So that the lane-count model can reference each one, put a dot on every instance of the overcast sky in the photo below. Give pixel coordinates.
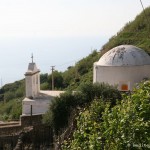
(57, 31)
(63, 18)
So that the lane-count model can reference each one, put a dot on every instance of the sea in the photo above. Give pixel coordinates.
(62, 52)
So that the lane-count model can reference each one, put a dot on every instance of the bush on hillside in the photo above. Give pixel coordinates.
(124, 126)
(44, 86)
(127, 125)
(8, 96)
(100, 90)
(62, 107)
(12, 90)
(11, 110)
(87, 135)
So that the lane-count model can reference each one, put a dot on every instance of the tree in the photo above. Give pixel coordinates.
(58, 80)
(127, 125)
(43, 78)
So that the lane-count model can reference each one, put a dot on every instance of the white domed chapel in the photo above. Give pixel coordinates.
(122, 66)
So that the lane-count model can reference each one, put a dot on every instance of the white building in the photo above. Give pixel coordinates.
(36, 101)
(123, 66)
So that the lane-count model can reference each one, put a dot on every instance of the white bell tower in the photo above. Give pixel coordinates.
(32, 80)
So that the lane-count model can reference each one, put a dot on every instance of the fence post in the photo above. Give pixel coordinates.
(31, 114)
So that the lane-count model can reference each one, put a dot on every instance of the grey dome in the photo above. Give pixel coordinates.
(124, 55)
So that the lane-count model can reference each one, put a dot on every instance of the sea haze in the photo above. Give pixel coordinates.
(60, 52)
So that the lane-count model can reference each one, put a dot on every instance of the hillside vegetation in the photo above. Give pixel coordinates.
(124, 126)
(64, 106)
(11, 96)
(74, 76)
(136, 33)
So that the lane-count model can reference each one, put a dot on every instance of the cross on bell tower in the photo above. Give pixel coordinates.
(32, 79)
(32, 57)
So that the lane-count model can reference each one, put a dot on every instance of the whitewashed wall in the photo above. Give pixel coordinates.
(32, 85)
(38, 106)
(114, 75)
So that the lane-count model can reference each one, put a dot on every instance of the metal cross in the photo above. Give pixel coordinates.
(32, 57)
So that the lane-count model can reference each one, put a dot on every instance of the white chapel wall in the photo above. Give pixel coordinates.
(114, 75)
(29, 87)
(38, 107)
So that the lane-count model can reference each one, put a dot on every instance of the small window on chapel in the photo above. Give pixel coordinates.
(124, 87)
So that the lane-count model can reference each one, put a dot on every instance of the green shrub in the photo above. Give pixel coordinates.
(9, 96)
(87, 135)
(11, 109)
(100, 90)
(62, 107)
(125, 126)
(19, 92)
(44, 86)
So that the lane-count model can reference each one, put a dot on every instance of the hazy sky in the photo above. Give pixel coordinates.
(63, 18)
(57, 31)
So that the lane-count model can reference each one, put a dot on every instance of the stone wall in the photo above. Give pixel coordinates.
(15, 128)
(10, 130)
(10, 123)
(30, 120)
(31, 137)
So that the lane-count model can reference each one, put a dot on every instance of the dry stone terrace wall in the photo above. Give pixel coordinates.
(32, 137)
(10, 130)
(17, 127)
(9, 123)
